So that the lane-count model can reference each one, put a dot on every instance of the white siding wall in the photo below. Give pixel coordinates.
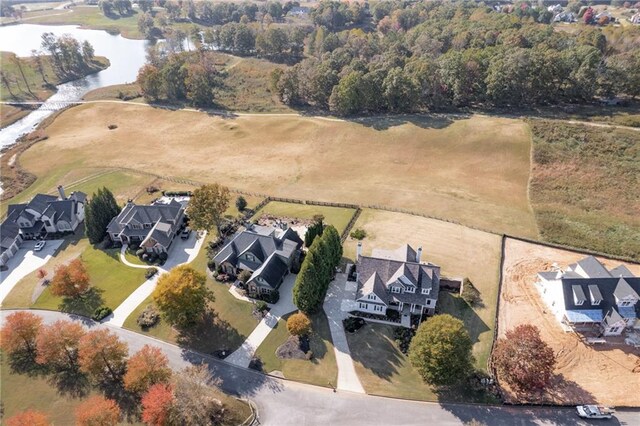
(553, 297)
(371, 308)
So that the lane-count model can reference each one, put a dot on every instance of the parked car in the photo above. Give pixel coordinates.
(594, 412)
(185, 233)
(39, 245)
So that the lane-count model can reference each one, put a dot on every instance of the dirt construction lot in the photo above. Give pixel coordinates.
(473, 170)
(607, 374)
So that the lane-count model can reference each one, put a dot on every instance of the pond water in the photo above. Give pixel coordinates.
(126, 57)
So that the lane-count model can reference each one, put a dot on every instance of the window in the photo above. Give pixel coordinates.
(371, 297)
(395, 289)
(250, 257)
(625, 303)
(579, 302)
(378, 308)
(363, 305)
(614, 329)
(147, 225)
(426, 291)
(428, 302)
(411, 289)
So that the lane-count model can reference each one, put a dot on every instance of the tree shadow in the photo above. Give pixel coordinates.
(374, 348)
(24, 362)
(459, 308)
(211, 335)
(424, 121)
(85, 304)
(70, 382)
(128, 402)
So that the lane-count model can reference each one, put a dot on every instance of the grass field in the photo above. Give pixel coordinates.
(336, 216)
(35, 88)
(322, 370)
(229, 327)
(584, 186)
(459, 251)
(384, 370)
(473, 170)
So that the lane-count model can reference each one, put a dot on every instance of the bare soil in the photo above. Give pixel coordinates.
(607, 374)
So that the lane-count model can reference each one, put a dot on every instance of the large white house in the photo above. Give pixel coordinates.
(587, 296)
(396, 280)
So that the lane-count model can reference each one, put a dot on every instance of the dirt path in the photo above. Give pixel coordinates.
(584, 373)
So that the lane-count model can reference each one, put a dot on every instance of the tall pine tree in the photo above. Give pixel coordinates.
(98, 213)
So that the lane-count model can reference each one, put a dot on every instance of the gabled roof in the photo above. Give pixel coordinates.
(403, 253)
(373, 285)
(621, 271)
(593, 268)
(145, 214)
(623, 289)
(40, 202)
(271, 271)
(606, 287)
(64, 209)
(612, 317)
(160, 233)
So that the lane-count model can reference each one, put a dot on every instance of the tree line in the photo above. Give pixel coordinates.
(317, 270)
(70, 57)
(141, 386)
(433, 55)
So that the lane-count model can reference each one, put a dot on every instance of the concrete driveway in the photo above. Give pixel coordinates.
(181, 251)
(24, 262)
(242, 356)
(336, 305)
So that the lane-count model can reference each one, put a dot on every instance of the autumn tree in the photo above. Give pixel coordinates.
(102, 355)
(523, 359)
(57, 343)
(157, 404)
(70, 280)
(207, 206)
(28, 418)
(42, 274)
(441, 350)
(145, 368)
(196, 398)
(181, 296)
(97, 411)
(19, 332)
(298, 324)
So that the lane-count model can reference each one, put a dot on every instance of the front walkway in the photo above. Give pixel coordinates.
(24, 262)
(242, 356)
(181, 252)
(337, 304)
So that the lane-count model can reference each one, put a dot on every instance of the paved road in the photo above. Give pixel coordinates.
(285, 403)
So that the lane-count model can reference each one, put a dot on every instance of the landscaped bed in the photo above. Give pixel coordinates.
(320, 370)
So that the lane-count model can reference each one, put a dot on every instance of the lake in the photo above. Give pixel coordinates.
(126, 57)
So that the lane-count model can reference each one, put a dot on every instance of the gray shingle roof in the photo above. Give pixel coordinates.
(144, 214)
(404, 253)
(606, 286)
(621, 271)
(612, 317)
(593, 268)
(623, 289)
(272, 270)
(40, 202)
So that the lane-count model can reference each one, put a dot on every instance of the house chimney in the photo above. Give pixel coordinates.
(359, 250)
(418, 254)
(61, 192)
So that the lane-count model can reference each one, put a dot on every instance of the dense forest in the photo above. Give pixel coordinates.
(397, 56)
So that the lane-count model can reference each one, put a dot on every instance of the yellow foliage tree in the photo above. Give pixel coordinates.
(299, 324)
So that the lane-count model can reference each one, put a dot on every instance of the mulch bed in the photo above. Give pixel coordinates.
(294, 348)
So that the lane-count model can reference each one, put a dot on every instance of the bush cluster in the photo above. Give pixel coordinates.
(101, 313)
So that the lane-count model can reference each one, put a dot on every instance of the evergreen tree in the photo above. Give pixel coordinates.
(98, 213)
(314, 230)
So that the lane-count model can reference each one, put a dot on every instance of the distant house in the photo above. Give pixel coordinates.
(555, 9)
(587, 296)
(396, 280)
(43, 215)
(298, 11)
(269, 253)
(567, 17)
(152, 226)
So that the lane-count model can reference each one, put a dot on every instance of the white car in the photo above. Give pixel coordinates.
(594, 412)
(39, 245)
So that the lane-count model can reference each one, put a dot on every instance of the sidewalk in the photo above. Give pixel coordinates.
(242, 356)
(341, 293)
(181, 252)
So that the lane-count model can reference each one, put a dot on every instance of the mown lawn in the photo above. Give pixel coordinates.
(228, 328)
(384, 370)
(112, 282)
(321, 370)
(336, 216)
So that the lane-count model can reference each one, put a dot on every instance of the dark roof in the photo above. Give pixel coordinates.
(9, 229)
(144, 214)
(78, 196)
(377, 274)
(606, 287)
(40, 202)
(161, 234)
(64, 209)
(262, 242)
(272, 271)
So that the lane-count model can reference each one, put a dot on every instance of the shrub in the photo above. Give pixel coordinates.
(358, 234)
(403, 338)
(163, 256)
(353, 324)
(211, 265)
(272, 297)
(149, 317)
(470, 294)
(150, 272)
(241, 203)
(112, 126)
(261, 306)
(101, 313)
(298, 324)
(134, 246)
(140, 252)
(244, 276)
(392, 314)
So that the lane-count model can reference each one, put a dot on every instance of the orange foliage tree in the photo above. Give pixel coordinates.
(523, 359)
(100, 352)
(57, 343)
(157, 404)
(19, 332)
(28, 418)
(97, 411)
(145, 368)
(298, 324)
(70, 280)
